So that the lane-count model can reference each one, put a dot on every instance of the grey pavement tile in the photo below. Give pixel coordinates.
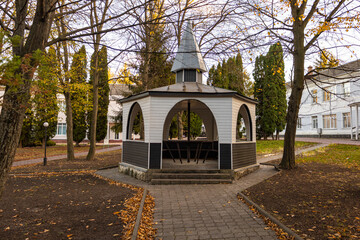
(204, 211)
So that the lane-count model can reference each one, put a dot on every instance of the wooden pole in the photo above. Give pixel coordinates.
(188, 120)
(188, 148)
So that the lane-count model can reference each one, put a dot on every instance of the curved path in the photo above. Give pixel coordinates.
(64, 156)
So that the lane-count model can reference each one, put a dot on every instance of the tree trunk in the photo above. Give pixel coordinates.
(11, 121)
(277, 135)
(92, 135)
(288, 159)
(69, 127)
(17, 93)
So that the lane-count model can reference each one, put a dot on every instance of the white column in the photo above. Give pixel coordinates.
(357, 122)
(351, 123)
(106, 140)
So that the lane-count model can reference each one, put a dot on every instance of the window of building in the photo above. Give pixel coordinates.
(61, 129)
(299, 123)
(314, 121)
(329, 121)
(346, 89)
(346, 120)
(117, 136)
(327, 94)
(314, 96)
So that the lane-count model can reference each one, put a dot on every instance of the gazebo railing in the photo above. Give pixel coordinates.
(190, 150)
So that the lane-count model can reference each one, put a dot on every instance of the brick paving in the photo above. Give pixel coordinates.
(206, 211)
(203, 211)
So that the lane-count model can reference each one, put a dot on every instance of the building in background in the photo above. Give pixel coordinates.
(325, 104)
(116, 92)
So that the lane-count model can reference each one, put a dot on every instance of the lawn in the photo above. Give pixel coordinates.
(264, 147)
(38, 152)
(320, 198)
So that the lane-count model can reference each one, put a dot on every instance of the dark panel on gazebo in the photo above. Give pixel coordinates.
(190, 75)
(136, 153)
(225, 156)
(155, 155)
(205, 149)
(244, 154)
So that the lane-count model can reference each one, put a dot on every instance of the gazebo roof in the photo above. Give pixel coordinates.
(188, 55)
(188, 89)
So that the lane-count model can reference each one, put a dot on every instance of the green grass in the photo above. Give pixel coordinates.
(276, 146)
(346, 155)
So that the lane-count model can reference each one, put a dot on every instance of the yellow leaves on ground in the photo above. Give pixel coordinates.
(129, 214)
(146, 229)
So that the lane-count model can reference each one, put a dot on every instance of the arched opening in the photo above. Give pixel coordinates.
(243, 125)
(135, 126)
(193, 145)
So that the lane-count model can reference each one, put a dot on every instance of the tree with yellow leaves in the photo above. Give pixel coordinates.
(326, 60)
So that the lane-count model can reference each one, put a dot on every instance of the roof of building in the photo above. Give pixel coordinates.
(352, 69)
(349, 69)
(188, 55)
(188, 89)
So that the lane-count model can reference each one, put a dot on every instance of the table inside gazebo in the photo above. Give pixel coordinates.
(193, 149)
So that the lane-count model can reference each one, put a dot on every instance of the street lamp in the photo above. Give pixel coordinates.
(46, 124)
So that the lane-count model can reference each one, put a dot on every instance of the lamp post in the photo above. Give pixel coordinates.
(46, 124)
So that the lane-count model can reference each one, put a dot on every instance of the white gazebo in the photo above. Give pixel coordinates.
(219, 109)
(354, 129)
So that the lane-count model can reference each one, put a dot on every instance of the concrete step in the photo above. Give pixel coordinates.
(187, 171)
(191, 175)
(188, 181)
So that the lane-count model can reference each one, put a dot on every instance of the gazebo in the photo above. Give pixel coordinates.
(221, 111)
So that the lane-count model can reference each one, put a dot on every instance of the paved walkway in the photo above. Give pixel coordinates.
(271, 157)
(58, 157)
(329, 140)
(205, 211)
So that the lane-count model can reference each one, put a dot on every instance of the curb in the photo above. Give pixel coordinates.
(138, 218)
(272, 218)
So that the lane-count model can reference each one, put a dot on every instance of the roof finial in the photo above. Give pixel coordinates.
(188, 55)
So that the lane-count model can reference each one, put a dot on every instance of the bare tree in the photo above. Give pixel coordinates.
(29, 26)
(98, 14)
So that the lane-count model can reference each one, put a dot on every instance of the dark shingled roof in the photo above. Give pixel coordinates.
(188, 55)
